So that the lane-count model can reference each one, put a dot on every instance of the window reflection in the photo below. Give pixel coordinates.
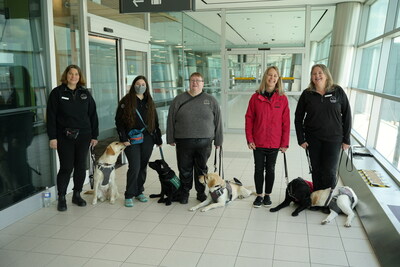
(376, 19)
(368, 68)
(24, 153)
(389, 123)
(392, 82)
(362, 111)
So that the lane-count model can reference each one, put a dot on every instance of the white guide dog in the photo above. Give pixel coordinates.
(105, 186)
(343, 199)
(220, 192)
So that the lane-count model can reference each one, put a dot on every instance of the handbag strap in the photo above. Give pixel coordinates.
(140, 116)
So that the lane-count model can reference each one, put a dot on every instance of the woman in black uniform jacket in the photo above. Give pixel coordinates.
(138, 155)
(72, 125)
(323, 125)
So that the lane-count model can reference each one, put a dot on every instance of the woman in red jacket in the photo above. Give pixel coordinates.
(267, 131)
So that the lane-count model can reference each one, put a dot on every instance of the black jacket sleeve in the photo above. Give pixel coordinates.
(299, 119)
(94, 120)
(119, 123)
(346, 117)
(51, 115)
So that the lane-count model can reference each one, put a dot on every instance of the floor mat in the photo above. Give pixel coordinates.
(373, 178)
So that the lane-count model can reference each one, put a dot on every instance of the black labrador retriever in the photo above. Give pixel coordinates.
(170, 183)
(298, 191)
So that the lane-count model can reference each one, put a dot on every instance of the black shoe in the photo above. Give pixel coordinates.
(77, 199)
(62, 203)
(257, 202)
(184, 200)
(201, 197)
(267, 201)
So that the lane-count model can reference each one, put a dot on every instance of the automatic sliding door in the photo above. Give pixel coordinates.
(104, 81)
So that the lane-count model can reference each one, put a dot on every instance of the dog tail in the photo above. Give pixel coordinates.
(155, 195)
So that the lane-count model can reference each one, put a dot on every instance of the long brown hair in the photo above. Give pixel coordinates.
(129, 102)
(81, 82)
(278, 85)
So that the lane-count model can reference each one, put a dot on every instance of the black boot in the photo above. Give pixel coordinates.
(76, 199)
(62, 203)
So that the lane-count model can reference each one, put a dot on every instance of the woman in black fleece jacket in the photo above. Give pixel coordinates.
(323, 125)
(72, 125)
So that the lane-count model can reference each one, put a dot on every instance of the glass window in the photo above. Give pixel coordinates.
(398, 18)
(389, 129)
(24, 150)
(66, 34)
(110, 9)
(362, 111)
(368, 68)
(376, 19)
(392, 82)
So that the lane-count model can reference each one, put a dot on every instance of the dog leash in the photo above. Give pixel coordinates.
(309, 160)
(286, 171)
(92, 166)
(161, 153)
(221, 167)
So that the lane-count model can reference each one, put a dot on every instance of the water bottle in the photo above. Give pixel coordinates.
(46, 196)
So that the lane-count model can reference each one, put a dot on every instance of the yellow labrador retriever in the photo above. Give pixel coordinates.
(105, 186)
(220, 192)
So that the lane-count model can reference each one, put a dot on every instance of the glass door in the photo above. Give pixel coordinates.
(104, 81)
(245, 70)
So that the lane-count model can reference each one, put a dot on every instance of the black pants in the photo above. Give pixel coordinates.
(324, 157)
(192, 156)
(73, 156)
(264, 160)
(138, 157)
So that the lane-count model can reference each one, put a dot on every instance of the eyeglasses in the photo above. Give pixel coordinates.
(196, 81)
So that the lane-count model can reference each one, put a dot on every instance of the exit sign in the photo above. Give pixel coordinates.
(137, 6)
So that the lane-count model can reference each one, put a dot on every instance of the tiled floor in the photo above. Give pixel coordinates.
(151, 234)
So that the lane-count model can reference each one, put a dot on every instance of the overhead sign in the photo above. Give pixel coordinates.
(137, 6)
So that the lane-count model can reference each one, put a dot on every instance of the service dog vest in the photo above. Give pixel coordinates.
(175, 181)
(342, 191)
(219, 192)
(106, 170)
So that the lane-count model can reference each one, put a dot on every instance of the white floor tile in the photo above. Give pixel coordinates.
(229, 234)
(53, 246)
(295, 240)
(222, 247)
(288, 253)
(83, 249)
(158, 241)
(150, 256)
(212, 260)
(278, 263)
(33, 259)
(253, 262)
(169, 229)
(359, 259)
(114, 252)
(190, 244)
(325, 242)
(25, 243)
(102, 263)
(6, 238)
(254, 250)
(140, 226)
(128, 238)
(99, 235)
(67, 261)
(7, 257)
(324, 256)
(180, 259)
(254, 236)
(113, 224)
(73, 232)
(197, 231)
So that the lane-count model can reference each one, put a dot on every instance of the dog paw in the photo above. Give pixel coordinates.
(324, 222)
(294, 214)
(102, 199)
(94, 202)
(203, 210)
(273, 210)
(347, 225)
(167, 203)
(192, 209)
(112, 201)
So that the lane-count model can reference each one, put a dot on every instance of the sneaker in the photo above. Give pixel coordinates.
(267, 201)
(201, 197)
(141, 198)
(257, 202)
(128, 202)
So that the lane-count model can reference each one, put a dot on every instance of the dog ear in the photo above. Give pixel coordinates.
(110, 151)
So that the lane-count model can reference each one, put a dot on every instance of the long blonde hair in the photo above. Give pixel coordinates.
(278, 85)
(329, 81)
